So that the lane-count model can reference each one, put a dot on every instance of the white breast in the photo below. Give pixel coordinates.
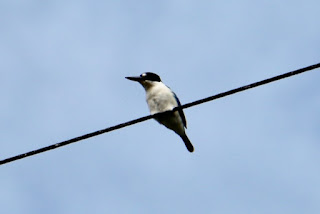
(160, 98)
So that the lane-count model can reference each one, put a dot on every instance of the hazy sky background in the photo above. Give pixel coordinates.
(62, 68)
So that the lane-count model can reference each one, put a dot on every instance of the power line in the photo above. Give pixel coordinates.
(188, 105)
(252, 85)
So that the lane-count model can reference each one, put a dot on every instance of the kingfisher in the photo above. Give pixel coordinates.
(161, 98)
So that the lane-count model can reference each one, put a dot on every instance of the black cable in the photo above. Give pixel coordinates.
(122, 125)
(252, 85)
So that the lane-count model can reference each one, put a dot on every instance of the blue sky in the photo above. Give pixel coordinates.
(62, 68)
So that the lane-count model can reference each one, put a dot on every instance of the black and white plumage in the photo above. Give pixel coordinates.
(160, 98)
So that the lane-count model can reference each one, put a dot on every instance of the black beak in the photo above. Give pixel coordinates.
(138, 79)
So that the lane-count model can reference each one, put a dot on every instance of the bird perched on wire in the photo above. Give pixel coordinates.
(160, 98)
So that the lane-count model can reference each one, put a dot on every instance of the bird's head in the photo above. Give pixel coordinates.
(147, 79)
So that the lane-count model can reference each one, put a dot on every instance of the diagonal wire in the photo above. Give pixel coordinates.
(252, 85)
(132, 122)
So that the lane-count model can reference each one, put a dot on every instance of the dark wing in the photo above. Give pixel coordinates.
(183, 118)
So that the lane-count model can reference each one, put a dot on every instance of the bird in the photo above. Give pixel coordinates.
(161, 98)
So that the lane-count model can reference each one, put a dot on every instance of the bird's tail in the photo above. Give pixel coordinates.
(187, 142)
